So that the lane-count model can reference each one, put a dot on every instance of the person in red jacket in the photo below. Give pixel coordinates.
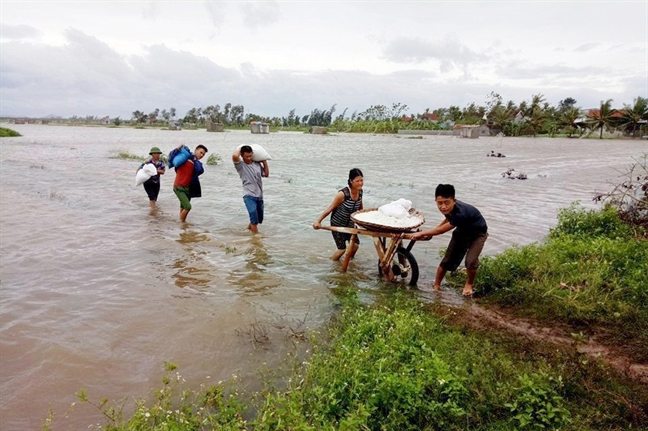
(184, 174)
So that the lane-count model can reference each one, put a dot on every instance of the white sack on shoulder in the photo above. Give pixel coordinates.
(145, 173)
(259, 153)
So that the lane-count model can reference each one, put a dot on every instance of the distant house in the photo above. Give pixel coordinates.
(259, 127)
(215, 126)
(431, 117)
(105, 120)
(519, 118)
(587, 114)
(615, 113)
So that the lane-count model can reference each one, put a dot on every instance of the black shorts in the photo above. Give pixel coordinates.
(462, 244)
(342, 238)
(152, 190)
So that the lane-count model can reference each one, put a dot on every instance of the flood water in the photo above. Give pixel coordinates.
(97, 291)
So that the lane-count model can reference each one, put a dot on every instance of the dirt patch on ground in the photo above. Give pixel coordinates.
(477, 315)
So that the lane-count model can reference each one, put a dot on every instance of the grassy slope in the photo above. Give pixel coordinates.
(590, 273)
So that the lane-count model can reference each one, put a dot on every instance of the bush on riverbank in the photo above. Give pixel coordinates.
(7, 133)
(398, 365)
(590, 272)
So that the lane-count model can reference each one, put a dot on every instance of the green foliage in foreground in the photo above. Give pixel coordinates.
(591, 269)
(398, 367)
(7, 133)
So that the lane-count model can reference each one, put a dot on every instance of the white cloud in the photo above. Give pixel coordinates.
(93, 58)
(17, 32)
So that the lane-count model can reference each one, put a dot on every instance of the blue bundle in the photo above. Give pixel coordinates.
(178, 156)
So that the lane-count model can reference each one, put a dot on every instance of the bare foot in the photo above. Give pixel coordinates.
(437, 287)
(467, 290)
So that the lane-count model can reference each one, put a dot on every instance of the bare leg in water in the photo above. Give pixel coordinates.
(183, 215)
(339, 253)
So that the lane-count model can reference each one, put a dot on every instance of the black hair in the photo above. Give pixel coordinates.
(246, 149)
(203, 147)
(353, 173)
(444, 190)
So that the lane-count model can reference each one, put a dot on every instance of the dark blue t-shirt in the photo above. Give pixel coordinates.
(467, 219)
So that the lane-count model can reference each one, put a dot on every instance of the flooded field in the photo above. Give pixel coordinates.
(97, 290)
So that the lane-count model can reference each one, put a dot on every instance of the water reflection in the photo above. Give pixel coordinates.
(257, 256)
(193, 271)
(254, 276)
(190, 237)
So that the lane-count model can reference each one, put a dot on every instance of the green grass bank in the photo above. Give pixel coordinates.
(590, 273)
(398, 364)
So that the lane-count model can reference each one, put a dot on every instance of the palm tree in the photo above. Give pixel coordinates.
(536, 100)
(634, 116)
(601, 118)
(568, 119)
(501, 117)
(535, 121)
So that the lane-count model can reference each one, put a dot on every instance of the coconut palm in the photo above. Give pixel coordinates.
(536, 121)
(536, 100)
(601, 118)
(501, 117)
(633, 117)
(568, 119)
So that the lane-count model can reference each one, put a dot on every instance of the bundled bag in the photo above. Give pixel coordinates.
(260, 153)
(178, 156)
(145, 173)
(398, 209)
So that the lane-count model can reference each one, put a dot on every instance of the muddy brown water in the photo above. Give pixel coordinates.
(97, 291)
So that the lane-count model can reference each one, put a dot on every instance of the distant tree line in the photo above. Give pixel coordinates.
(529, 117)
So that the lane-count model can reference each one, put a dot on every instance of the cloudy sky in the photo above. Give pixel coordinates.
(114, 57)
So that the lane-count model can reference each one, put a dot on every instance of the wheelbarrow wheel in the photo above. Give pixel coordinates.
(404, 267)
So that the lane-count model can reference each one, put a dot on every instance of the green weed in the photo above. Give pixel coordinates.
(124, 155)
(8, 133)
(214, 159)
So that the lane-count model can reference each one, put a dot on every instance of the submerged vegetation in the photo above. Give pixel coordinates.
(125, 155)
(214, 159)
(6, 133)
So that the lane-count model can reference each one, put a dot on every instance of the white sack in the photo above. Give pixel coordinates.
(145, 173)
(394, 210)
(260, 153)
